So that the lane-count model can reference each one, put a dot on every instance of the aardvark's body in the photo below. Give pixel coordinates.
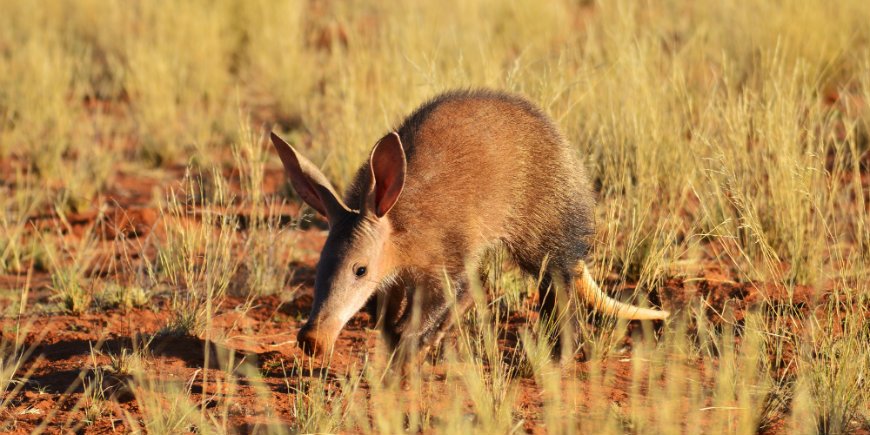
(466, 172)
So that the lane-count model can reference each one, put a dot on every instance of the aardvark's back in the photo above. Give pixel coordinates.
(486, 167)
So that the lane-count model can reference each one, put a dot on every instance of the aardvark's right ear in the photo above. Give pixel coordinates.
(388, 165)
(311, 185)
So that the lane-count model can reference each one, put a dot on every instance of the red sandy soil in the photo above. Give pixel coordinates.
(67, 347)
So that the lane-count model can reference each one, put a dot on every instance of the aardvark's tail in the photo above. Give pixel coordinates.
(590, 291)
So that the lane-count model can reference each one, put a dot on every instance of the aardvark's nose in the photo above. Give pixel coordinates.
(311, 341)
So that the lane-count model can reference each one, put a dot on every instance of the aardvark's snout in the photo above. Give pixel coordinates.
(313, 341)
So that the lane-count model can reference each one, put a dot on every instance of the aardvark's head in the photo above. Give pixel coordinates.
(354, 261)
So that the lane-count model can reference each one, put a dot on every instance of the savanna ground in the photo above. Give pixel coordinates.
(155, 266)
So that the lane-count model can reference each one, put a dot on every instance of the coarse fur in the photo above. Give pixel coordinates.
(487, 167)
(466, 172)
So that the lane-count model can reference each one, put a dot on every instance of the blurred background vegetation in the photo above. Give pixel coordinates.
(674, 106)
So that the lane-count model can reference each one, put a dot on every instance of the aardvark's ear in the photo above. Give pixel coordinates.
(311, 185)
(388, 166)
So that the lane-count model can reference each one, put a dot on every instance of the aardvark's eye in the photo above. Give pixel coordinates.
(360, 271)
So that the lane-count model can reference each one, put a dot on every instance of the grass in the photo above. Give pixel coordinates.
(17, 204)
(197, 258)
(14, 353)
(727, 143)
(71, 267)
(266, 237)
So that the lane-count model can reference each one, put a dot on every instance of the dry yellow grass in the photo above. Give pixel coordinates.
(729, 136)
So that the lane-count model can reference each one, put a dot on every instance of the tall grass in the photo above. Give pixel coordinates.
(268, 243)
(196, 256)
(718, 135)
(17, 203)
(14, 375)
(72, 265)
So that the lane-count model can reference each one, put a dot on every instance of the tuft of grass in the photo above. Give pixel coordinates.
(833, 367)
(267, 243)
(17, 203)
(71, 289)
(320, 402)
(479, 365)
(197, 254)
(165, 407)
(71, 265)
(126, 297)
(14, 374)
(95, 394)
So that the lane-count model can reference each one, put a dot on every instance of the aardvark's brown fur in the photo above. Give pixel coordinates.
(469, 170)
